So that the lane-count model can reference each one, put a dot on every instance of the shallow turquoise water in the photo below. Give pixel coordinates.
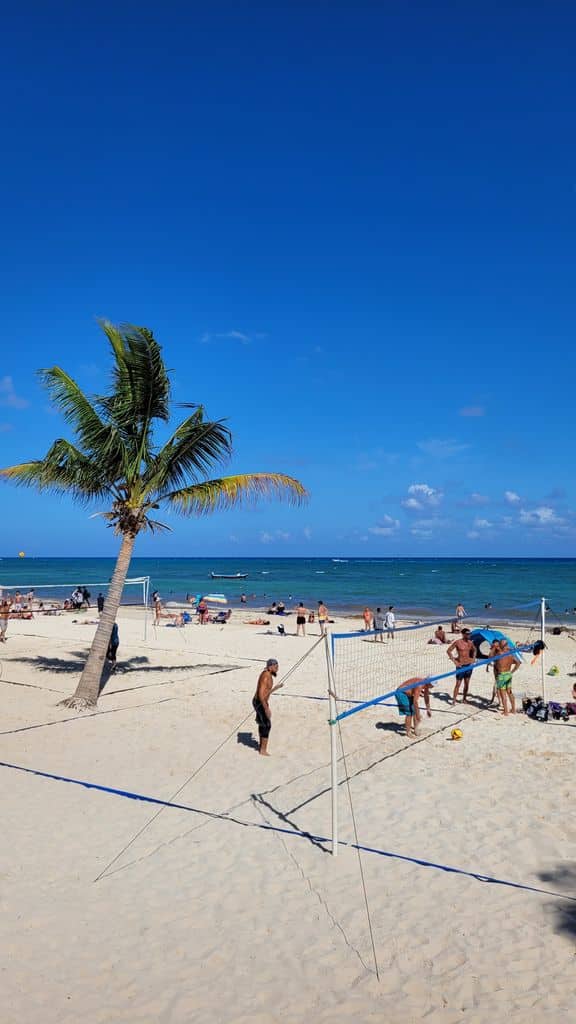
(414, 585)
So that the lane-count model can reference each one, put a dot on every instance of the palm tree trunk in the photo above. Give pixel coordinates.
(88, 689)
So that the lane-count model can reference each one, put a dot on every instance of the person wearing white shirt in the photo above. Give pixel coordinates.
(390, 621)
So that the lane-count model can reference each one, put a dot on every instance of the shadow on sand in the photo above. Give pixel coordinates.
(247, 740)
(563, 878)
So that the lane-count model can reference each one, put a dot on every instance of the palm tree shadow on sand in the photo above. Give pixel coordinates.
(563, 878)
(139, 663)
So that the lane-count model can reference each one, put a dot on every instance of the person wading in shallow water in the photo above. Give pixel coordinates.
(261, 703)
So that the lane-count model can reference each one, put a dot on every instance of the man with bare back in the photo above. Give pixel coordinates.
(408, 700)
(463, 653)
(261, 703)
(505, 667)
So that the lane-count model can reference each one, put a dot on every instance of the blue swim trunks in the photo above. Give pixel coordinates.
(404, 702)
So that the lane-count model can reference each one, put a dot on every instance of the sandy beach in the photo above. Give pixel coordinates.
(228, 907)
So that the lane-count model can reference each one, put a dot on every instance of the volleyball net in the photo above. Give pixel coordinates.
(367, 665)
(367, 668)
(81, 596)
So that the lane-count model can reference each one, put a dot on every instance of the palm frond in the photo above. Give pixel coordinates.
(64, 469)
(141, 390)
(95, 434)
(196, 446)
(229, 491)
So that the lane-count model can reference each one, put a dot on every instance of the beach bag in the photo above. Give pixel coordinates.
(530, 705)
(558, 711)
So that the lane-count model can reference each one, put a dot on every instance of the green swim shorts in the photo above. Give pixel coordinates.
(504, 681)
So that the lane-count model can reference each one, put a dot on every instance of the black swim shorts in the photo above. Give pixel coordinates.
(262, 720)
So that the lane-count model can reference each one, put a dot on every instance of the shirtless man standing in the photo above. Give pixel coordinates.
(301, 613)
(463, 656)
(261, 703)
(506, 666)
(322, 617)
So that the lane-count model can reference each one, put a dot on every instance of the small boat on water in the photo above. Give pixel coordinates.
(233, 576)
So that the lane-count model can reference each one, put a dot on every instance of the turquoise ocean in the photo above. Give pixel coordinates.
(415, 586)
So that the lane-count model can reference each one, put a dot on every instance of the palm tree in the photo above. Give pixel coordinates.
(116, 460)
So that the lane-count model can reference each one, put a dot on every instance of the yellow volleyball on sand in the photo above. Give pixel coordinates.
(21, 554)
(456, 734)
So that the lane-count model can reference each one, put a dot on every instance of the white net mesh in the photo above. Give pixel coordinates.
(366, 667)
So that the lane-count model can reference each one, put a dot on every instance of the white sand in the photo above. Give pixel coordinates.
(205, 919)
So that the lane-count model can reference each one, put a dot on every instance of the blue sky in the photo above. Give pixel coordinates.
(352, 229)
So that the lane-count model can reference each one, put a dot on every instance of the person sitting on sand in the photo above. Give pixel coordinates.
(439, 636)
(462, 653)
(273, 609)
(280, 608)
(222, 618)
(261, 703)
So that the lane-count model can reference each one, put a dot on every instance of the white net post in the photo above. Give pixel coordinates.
(145, 593)
(543, 652)
(333, 748)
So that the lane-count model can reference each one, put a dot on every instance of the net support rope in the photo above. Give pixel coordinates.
(201, 767)
(334, 698)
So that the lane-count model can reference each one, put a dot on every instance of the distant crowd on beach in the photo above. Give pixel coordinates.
(25, 606)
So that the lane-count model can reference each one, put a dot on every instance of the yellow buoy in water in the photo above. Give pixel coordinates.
(21, 554)
(456, 734)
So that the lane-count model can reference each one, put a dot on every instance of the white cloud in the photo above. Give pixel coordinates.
(269, 538)
(473, 410)
(386, 527)
(210, 336)
(422, 496)
(511, 497)
(8, 396)
(542, 517)
(483, 524)
(439, 449)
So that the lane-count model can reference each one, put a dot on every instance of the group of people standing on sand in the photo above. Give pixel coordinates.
(379, 622)
(463, 654)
